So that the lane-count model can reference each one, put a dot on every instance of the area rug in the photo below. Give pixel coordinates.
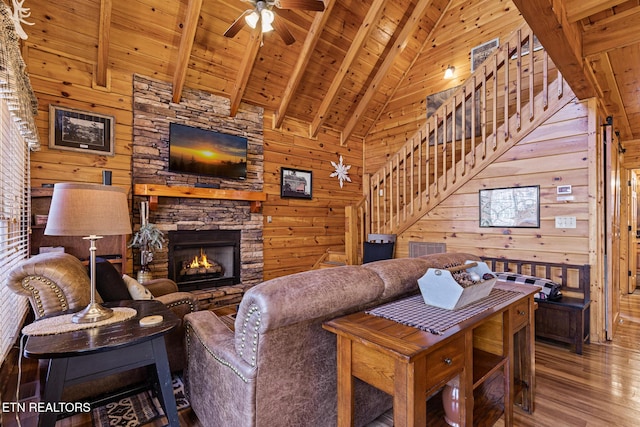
(137, 410)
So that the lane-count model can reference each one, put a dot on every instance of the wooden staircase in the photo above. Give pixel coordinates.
(512, 93)
(331, 258)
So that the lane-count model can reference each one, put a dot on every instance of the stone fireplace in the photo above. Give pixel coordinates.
(241, 262)
(203, 259)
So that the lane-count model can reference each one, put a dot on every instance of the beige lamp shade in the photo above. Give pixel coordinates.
(88, 210)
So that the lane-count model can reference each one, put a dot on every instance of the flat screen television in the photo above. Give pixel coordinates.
(205, 152)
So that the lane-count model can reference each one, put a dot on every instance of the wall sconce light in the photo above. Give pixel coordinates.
(449, 72)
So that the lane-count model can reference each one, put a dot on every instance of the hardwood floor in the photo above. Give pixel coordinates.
(598, 388)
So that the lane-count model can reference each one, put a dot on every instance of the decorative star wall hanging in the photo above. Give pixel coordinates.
(342, 172)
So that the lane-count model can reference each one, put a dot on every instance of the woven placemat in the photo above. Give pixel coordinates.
(63, 323)
(414, 312)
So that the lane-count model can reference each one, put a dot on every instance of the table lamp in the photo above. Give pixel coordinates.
(91, 211)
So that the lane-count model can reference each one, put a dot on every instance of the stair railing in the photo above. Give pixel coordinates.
(503, 100)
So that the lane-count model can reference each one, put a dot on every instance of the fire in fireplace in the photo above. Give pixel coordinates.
(204, 258)
(200, 265)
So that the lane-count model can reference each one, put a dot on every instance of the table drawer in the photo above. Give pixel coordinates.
(520, 315)
(445, 362)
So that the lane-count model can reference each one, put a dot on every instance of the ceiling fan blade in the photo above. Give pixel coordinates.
(281, 28)
(237, 25)
(315, 5)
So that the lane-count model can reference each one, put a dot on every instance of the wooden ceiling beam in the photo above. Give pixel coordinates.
(400, 44)
(580, 9)
(367, 26)
(620, 30)
(186, 45)
(248, 61)
(104, 34)
(562, 40)
(313, 36)
(426, 44)
(614, 97)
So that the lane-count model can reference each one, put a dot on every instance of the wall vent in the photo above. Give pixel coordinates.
(417, 249)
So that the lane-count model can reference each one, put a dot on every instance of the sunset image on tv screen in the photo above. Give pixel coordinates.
(204, 152)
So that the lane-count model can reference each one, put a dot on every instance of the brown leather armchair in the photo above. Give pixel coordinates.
(57, 283)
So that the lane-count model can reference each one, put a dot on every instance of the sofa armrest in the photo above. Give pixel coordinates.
(54, 283)
(159, 287)
(181, 303)
(208, 330)
(224, 384)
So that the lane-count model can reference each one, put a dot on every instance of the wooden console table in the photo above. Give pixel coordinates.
(411, 364)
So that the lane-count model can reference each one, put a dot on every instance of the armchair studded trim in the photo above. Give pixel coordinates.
(31, 284)
(190, 332)
(188, 301)
(53, 283)
(249, 335)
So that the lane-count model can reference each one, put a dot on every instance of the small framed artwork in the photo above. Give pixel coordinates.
(482, 52)
(81, 131)
(295, 183)
(517, 207)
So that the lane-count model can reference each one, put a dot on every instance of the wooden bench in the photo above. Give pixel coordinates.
(566, 319)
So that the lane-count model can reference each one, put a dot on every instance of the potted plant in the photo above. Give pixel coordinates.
(149, 238)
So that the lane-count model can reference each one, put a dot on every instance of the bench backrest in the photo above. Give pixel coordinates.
(574, 278)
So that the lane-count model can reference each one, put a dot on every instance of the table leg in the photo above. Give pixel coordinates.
(163, 374)
(410, 394)
(345, 383)
(54, 385)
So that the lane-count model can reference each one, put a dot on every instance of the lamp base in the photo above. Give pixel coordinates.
(92, 313)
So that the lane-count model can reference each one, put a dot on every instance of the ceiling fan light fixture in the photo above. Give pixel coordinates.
(252, 19)
(267, 19)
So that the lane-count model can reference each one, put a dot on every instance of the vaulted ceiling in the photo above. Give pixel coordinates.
(596, 45)
(347, 62)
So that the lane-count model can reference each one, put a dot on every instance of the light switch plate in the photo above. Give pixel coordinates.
(565, 222)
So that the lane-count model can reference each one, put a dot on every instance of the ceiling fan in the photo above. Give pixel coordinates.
(262, 14)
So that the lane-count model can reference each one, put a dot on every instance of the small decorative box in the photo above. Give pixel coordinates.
(41, 219)
(440, 289)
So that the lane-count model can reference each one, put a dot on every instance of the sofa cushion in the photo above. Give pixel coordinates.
(299, 297)
(109, 283)
(400, 275)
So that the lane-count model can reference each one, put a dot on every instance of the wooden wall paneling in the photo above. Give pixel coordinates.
(632, 154)
(301, 230)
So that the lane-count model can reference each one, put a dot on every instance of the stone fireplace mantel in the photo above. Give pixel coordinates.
(157, 190)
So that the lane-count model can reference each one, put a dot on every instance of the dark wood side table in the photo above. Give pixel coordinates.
(93, 353)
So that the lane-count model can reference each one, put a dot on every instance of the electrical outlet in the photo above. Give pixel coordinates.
(565, 222)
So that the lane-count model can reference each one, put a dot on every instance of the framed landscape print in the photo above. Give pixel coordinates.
(510, 207)
(81, 131)
(295, 183)
(482, 52)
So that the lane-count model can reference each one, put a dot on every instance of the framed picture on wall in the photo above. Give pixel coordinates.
(482, 52)
(295, 183)
(81, 131)
(517, 207)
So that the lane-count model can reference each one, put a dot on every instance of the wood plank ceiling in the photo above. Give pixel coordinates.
(348, 61)
(596, 45)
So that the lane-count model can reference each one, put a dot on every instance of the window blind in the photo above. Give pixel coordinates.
(15, 211)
